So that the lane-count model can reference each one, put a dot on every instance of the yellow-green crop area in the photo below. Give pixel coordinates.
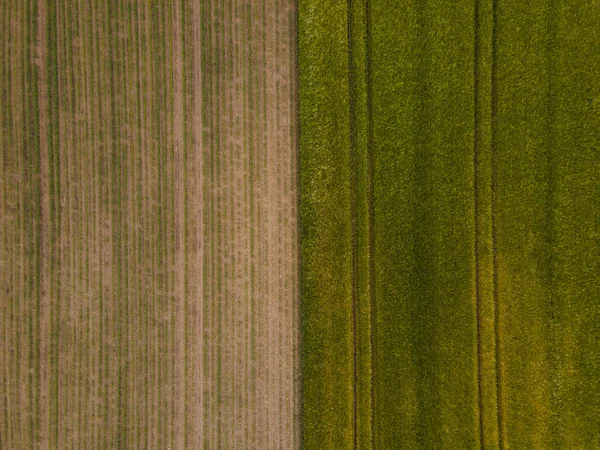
(450, 224)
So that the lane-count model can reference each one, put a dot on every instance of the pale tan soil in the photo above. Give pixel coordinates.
(180, 354)
(161, 230)
(45, 294)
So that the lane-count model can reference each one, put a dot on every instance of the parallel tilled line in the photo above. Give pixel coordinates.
(288, 349)
(76, 313)
(166, 89)
(179, 229)
(93, 111)
(213, 275)
(129, 213)
(137, 265)
(265, 319)
(275, 260)
(221, 298)
(237, 194)
(158, 294)
(241, 189)
(66, 363)
(55, 218)
(12, 226)
(198, 378)
(295, 183)
(243, 245)
(207, 116)
(88, 174)
(122, 299)
(81, 204)
(85, 296)
(30, 270)
(146, 256)
(75, 191)
(288, 223)
(34, 223)
(234, 169)
(262, 350)
(32, 243)
(150, 426)
(257, 111)
(5, 219)
(99, 20)
(109, 230)
(126, 214)
(16, 255)
(271, 219)
(278, 298)
(20, 374)
(20, 327)
(246, 212)
(253, 139)
(226, 136)
(45, 295)
(232, 293)
(16, 278)
(140, 334)
(16, 242)
(5, 437)
(164, 313)
(192, 192)
(214, 299)
(172, 177)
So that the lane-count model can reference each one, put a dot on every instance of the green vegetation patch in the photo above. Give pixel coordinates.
(328, 344)
(449, 203)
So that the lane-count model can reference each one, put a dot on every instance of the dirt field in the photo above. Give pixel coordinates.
(148, 235)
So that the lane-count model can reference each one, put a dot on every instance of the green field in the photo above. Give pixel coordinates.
(449, 193)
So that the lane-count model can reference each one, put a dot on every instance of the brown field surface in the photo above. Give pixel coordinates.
(148, 231)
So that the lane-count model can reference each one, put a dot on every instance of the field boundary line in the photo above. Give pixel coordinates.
(294, 25)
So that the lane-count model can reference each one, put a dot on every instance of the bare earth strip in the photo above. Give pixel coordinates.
(247, 47)
(45, 228)
(180, 263)
(148, 257)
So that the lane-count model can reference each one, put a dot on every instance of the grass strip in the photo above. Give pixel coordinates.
(326, 235)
